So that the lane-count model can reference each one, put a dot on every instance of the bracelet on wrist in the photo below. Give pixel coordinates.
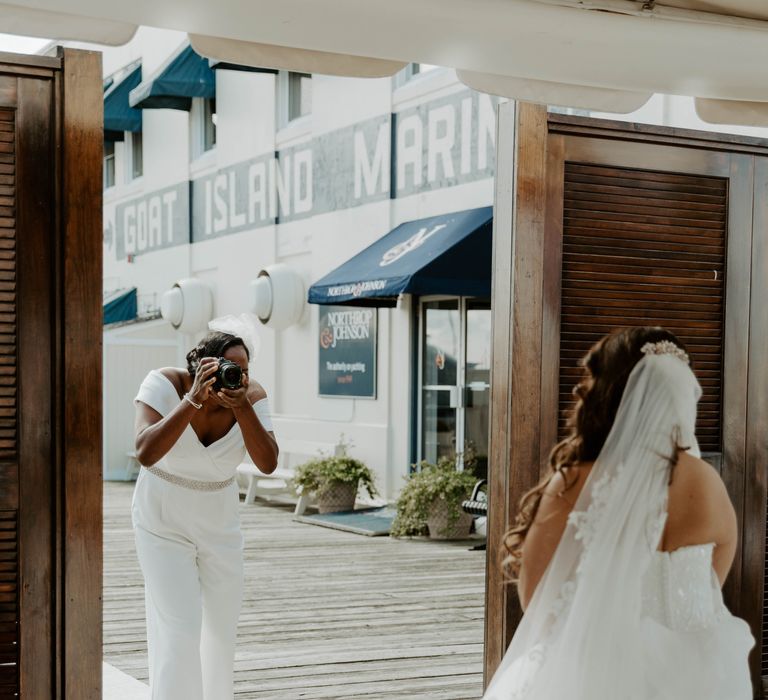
(190, 400)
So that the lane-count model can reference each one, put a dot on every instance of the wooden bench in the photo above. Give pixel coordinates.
(280, 482)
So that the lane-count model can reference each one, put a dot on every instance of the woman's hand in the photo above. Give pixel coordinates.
(234, 398)
(204, 379)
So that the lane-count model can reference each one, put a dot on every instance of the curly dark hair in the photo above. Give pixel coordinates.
(213, 344)
(607, 367)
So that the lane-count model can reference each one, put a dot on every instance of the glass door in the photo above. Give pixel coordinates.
(455, 379)
(477, 382)
(440, 347)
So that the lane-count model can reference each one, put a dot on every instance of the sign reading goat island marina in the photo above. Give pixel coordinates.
(347, 351)
(440, 143)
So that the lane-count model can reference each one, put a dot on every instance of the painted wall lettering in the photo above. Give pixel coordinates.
(153, 222)
(441, 143)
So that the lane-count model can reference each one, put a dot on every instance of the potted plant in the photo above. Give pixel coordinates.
(430, 502)
(334, 481)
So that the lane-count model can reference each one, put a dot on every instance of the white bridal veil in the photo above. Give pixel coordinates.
(581, 637)
(245, 327)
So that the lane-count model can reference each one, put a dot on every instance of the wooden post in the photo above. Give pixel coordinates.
(518, 271)
(80, 398)
(753, 535)
(35, 215)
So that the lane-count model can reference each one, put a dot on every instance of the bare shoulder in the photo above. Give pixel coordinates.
(559, 483)
(176, 376)
(561, 492)
(256, 392)
(568, 482)
(700, 509)
(697, 477)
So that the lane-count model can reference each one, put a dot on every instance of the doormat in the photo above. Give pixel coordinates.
(373, 522)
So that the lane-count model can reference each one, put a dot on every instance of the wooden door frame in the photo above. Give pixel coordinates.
(527, 264)
(37, 507)
(59, 142)
(79, 389)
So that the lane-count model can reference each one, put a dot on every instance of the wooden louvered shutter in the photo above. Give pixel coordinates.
(764, 636)
(645, 248)
(9, 604)
(9, 494)
(8, 445)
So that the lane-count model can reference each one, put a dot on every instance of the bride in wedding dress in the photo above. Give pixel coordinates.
(622, 549)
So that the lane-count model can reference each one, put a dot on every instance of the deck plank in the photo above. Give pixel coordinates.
(326, 614)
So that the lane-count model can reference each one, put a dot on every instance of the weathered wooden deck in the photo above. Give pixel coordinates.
(326, 614)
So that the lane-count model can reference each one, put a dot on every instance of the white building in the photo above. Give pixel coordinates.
(304, 171)
(230, 172)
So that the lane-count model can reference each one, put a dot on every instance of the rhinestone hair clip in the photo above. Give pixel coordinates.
(665, 347)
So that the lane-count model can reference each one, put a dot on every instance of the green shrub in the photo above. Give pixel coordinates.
(422, 488)
(319, 474)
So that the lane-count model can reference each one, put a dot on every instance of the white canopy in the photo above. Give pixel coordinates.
(609, 55)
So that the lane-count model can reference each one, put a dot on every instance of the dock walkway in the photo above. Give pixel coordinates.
(326, 614)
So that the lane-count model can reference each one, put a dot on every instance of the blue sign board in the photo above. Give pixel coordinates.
(347, 351)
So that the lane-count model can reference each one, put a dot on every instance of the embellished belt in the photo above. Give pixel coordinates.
(193, 484)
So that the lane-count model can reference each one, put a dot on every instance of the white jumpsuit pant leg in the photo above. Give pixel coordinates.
(190, 550)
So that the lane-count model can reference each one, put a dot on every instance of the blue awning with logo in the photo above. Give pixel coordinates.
(119, 116)
(446, 254)
(187, 75)
(120, 306)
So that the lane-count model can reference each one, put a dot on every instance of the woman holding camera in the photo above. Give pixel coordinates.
(193, 428)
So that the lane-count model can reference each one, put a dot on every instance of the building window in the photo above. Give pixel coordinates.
(202, 125)
(109, 164)
(294, 96)
(209, 123)
(299, 95)
(135, 141)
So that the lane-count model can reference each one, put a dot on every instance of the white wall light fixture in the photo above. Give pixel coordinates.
(278, 296)
(188, 305)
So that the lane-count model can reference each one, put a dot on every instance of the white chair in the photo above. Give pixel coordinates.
(279, 484)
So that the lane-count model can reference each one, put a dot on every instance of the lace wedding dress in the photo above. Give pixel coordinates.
(694, 647)
(613, 618)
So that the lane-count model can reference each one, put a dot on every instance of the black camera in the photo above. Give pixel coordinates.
(228, 375)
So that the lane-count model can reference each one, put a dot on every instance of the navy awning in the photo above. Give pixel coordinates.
(120, 306)
(119, 116)
(446, 254)
(187, 75)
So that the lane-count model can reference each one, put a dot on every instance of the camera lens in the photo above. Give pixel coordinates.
(229, 375)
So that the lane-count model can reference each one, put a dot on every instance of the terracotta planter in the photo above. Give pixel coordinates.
(337, 497)
(438, 522)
